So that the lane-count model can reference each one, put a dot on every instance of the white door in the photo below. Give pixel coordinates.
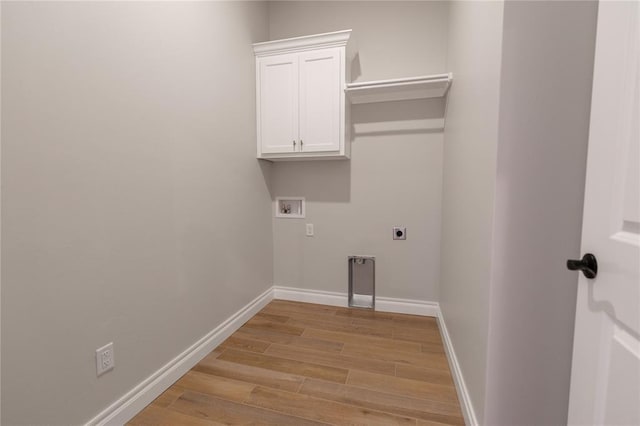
(320, 91)
(605, 376)
(278, 104)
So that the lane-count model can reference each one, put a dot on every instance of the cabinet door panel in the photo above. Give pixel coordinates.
(278, 104)
(320, 91)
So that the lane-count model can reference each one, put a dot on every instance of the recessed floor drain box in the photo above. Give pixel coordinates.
(362, 279)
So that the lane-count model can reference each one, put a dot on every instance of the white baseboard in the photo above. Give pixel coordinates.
(125, 408)
(406, 306)
(468, 412)
(310, 296)
(383, 304)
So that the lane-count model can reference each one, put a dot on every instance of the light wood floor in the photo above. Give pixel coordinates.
(299, 363)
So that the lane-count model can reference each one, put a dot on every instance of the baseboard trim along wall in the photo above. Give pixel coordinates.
(405, 306)
(125, 408)
(466, 405)
(310, 296)
(383, 304)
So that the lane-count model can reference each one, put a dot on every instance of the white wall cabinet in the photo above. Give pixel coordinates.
(300, 97)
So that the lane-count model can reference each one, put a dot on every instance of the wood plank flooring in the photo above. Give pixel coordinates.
(305, 364)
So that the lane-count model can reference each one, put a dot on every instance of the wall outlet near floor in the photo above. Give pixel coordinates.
(105, 361)
(309, 229)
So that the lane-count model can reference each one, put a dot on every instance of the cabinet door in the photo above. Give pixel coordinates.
(320, 100)
(278, 104)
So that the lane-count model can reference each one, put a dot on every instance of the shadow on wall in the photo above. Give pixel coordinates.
(411, 117)
(266, 168)
(356, 70)
(319, 180)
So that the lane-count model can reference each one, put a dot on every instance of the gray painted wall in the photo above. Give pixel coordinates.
(514, 164)
(133, 208)
(470, 146)
(395, 174)
(547, 68)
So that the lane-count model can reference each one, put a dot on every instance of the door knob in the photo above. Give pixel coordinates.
(588, 265)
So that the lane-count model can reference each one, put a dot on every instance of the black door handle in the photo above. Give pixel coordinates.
(588, 265)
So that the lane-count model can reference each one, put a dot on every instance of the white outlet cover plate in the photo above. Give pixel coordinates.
(105, 360)
(310, 231)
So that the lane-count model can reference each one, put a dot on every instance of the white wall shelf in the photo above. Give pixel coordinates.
(399, 89)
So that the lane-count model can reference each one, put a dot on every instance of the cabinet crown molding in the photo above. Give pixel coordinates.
(297, 44)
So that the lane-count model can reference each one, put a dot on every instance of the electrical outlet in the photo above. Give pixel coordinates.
(399, 233)
(105, 360)
(309, 229)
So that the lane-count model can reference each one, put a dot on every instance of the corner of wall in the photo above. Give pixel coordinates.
(474, 56)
